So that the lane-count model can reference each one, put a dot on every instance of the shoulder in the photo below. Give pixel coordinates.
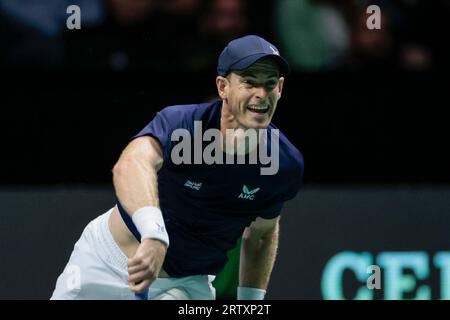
(186, 112)
(290, 156)
(291, 166)
(184, 116)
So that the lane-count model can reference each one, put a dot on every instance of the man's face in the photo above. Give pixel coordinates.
(252, 95)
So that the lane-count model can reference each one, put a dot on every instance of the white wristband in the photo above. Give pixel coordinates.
(244, 293)
(150, 224)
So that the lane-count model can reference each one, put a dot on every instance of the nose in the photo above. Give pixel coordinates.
(261, 93)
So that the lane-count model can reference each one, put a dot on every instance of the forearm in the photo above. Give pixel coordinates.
(136, 184)
(135, 175)
(258, 254)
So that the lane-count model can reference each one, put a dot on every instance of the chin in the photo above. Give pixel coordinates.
(260, 125)
(252, 123)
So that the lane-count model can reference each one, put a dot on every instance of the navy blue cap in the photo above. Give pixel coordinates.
(241, 53)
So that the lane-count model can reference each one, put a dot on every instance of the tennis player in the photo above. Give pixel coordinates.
(188, 187)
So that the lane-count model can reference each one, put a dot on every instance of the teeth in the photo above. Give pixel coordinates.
(255, 107)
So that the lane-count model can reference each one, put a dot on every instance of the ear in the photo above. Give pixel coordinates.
(222, 84)
(280, 86)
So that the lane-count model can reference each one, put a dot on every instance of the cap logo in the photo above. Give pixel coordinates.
(274, 51)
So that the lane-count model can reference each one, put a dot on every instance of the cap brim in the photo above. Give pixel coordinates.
(248, 61)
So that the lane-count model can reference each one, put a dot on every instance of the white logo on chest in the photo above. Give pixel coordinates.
(193, 185)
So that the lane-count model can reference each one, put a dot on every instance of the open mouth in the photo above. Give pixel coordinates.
(260, 109)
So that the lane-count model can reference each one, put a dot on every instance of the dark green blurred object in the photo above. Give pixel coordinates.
(227, 280)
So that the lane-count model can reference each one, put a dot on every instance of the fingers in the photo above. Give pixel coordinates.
(144, 267)
(136, 269)
(137, 265)
(141, 287)
(135, 261)
(138, 277)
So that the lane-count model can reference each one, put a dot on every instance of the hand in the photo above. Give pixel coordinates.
(146, 264)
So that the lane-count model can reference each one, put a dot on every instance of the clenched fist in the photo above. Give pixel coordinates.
(146, 264)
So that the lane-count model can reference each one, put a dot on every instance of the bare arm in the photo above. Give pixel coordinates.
(135, 174)
(258, 253)
(136, 186)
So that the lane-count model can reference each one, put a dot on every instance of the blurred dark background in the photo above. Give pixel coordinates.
(362, 105)
(365, 107)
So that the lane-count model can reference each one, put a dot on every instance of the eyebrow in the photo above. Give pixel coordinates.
(271, 79)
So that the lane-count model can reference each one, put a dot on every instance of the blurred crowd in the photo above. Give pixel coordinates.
(188, 35)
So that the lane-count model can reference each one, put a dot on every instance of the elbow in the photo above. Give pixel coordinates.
(252, 237)
(246, 236)
(121, 169)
